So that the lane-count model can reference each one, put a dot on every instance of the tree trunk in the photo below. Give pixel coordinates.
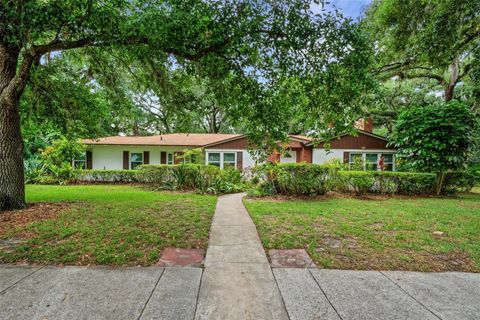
(12, 188)
(450, 88)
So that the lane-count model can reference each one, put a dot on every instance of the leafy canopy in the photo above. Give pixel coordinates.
(435, 138)
(275, 60)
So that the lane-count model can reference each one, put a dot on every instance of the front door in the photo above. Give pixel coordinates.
(290, 156)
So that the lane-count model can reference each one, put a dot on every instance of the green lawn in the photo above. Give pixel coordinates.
(103, 224)
(383, 234)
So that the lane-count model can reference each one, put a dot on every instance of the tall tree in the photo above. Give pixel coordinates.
(436, 40)
(256, 41)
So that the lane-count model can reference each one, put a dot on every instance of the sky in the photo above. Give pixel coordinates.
(350, 8)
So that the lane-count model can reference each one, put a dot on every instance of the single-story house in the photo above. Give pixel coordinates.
(222, 150)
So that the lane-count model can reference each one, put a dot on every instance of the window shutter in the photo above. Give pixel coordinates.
(163, 157)
(346, 157)
(240, 160)
(89, 160)
(126, 160)
(146, 157)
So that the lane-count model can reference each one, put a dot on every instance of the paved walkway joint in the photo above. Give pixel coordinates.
(237, 281)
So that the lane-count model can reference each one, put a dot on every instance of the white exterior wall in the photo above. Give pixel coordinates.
(247, 159)
(108, 157)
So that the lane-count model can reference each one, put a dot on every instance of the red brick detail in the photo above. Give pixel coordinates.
(175, 257)
(304, 154)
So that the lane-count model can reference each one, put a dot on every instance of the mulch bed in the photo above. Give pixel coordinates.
(11, 220)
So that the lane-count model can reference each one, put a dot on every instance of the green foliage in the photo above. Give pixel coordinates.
(410, 183)
(115, 176)
(360, 182)
(63, 151)
(432, 45)
(295, 179)
(435, 138)
(55, 165)
(201, 178)
(192, 156)
(313, 179)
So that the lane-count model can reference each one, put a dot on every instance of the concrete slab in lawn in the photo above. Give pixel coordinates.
(290, 258)
(176, 257)
(303, 297)
(368, 295)
(239, 291)
(454, 296)
(80, 293)
(9, 275)
(175, 296)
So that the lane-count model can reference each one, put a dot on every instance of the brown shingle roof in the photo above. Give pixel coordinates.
(173, 139)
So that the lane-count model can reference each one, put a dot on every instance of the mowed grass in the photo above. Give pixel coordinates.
(106, 225)
(424, 234)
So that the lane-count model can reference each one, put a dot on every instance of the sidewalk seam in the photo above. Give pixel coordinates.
(198, 294)
(325, 294)
(411, 296)
(280, 292)
(17, 282)
(151, 294)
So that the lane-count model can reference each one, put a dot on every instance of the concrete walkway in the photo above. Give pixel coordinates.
(237, 283)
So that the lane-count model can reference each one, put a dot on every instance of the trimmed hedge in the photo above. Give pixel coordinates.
(295, 179)
(314, 179)
(115, 176)
(202, 178)
(387, 182)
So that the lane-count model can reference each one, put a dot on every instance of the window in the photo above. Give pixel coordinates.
(388, 161)
(81, 162)
(229, 160)
(371, 161)
(136, 159)
(169, 158)
(356, 161)
(214, 159)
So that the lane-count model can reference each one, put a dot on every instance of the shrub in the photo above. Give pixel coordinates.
(116, 176)
(202, 178)
(360, 182)
(458, 181)
(295, 179)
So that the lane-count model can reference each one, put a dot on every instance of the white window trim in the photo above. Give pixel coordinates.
(130, 159)
(364, 158)
(221, 158)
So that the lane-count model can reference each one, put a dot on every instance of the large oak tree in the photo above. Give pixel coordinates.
(273, 49)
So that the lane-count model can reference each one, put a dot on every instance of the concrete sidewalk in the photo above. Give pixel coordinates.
(171, 293)
(237, 283)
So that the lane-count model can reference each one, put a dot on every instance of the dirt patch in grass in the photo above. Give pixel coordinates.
(11, 220)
